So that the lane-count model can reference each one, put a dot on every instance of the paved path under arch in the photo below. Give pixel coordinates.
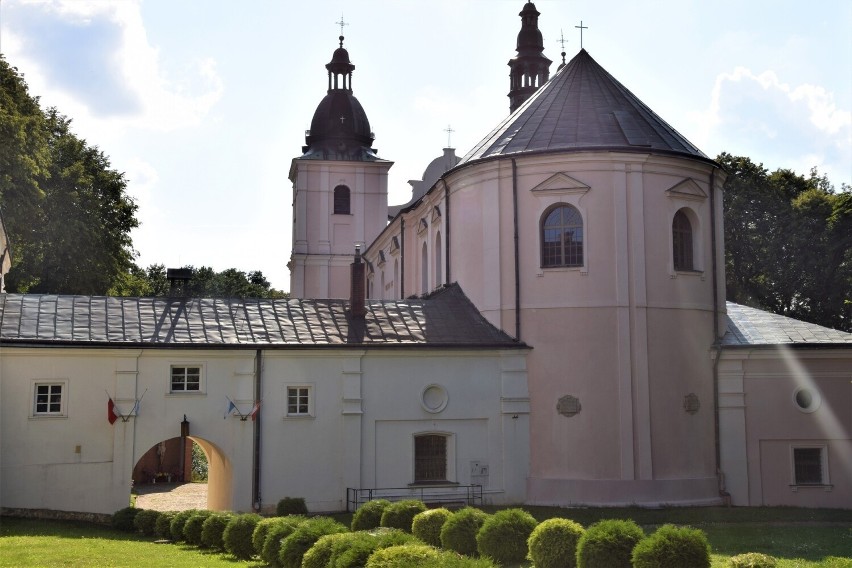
(171, 496)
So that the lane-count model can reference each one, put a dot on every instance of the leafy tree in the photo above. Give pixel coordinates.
(204, 282)
(788, 243)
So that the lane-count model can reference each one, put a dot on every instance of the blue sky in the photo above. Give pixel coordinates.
(204, 103)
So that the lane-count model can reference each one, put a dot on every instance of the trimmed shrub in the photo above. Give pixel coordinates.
(553, 543)
(459, 531)
(291, 506)
(258, 536)
(294, 547)
(503, 536)
(123, 519)
(319, 555)
(145, 522)
(178, 522)
(427, 525)
(752, 560)
(369, 515)
(213, 529)
(399, 515)
(238, 535)
(163, 526)
(608, 544)
(403, 556)
(193, 527)
(276, 534)
(355, 552)
(449, 559)
(672, 547)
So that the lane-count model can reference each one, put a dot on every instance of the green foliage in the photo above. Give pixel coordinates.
(238, 535)
(403, 556)
(293, 547)
(752, 560)
(204, 282)
(448, 559)
(276, 533)
(178, 523)
(369, 515)
(163, 526)
(193, 527)
(672, 547)
(354, 552)
(427, 525)
(503, 536)
(291, 506)
(212, 530)
(319, 555)
(553, 544)
(145, 522)
(123, 519)
(258, 536)
(400, 515)
(459, 531)
(199, 463)
(608, 544)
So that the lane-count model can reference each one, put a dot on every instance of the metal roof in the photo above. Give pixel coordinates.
(446, 318)
(749, 327)
(582, 107)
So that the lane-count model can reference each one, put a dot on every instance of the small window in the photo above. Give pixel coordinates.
(808, 466)
(48, 400)
(186, 379)
(430, 458)
(682, 242)
(299, 401)
(341, 200)
(562, 237)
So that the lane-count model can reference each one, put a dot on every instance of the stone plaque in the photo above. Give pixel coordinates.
(691, 404)
(568, 406)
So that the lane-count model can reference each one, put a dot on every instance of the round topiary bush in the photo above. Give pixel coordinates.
(258, 537)
(212, 530)
(123, 519)
(403, 556)
(145, 522)
(399, 515)
(459, 531)
(319, 555)
(369, 515)
(672, 547)
(238, 533)
(193, 527)
(294, 547)
(752, 560)
(163, 526)
(427, 525)
(354, 552)
(449, 559)
(276, 533)
(291, 506)
(608, 544)
(503, 536)
(553, 543)
(178, 522)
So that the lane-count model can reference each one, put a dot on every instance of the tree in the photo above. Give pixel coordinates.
(787, 243)
(67, 212)
(204, 283)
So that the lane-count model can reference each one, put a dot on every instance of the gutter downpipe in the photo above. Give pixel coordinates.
(401, 257)
(447, 234)
(255, 484)
(517, 257)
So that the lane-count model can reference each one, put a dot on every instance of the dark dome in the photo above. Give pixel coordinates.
(340, 128)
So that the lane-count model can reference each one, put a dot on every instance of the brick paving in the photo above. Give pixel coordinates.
(172, 496)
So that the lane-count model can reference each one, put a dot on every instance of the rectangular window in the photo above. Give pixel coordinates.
(298, 401)
(186, 379)
(430, 458)
(48, 399)
(807, 466)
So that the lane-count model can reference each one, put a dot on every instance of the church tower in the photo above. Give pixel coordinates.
(340, 191)
(529, 69)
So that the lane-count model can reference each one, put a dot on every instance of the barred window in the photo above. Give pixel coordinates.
(807, 464)
(562, 237)
(341, 200)
(186, 379)
(430, 458)
(298, 401)
(48, 399)
(682, 241)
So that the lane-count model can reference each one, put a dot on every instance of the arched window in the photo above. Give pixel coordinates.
(382, 289)
(562, 237)
(682, 242)
(439, 279)
(395, 279)
(341, 200)
(424, 270)
(430, 458)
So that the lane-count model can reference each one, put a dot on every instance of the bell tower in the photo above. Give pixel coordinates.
(529, 69)
(340, 189)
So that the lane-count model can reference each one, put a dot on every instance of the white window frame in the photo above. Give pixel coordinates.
(63, 398)
(826, 480)
(201, 378)
(309, 393)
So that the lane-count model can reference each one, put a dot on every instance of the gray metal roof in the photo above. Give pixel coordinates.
(446, 318)
(582, 107)
(753, 327)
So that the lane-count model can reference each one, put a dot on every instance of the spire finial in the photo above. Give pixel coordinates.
(562, 41)
(581, 27)
(449, 130)
(341, 23)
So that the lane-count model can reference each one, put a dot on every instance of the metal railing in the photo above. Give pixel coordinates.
(438, 495)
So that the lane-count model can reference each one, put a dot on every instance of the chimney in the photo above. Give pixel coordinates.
(357, 295)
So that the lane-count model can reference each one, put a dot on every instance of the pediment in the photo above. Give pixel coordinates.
(562, 184)
(687, 189)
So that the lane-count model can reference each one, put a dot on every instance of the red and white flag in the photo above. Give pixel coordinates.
(255, 410)
(111, 415)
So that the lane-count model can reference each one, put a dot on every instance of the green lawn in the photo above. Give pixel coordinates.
(799, 538)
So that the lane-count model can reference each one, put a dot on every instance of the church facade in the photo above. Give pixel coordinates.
(544, 322)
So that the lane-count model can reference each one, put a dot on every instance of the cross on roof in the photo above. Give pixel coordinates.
(581, 27)
(341, 23)
(562, 41)
(449, 130)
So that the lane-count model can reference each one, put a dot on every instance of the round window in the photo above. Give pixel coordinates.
(434, 398)
(807, 400)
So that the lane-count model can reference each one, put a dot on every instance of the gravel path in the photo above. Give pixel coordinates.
(172, 496)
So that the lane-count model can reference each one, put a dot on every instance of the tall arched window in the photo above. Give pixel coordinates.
(439, 268)
(562, 237)
(682, 242)
(424, 270)
(341, 200)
